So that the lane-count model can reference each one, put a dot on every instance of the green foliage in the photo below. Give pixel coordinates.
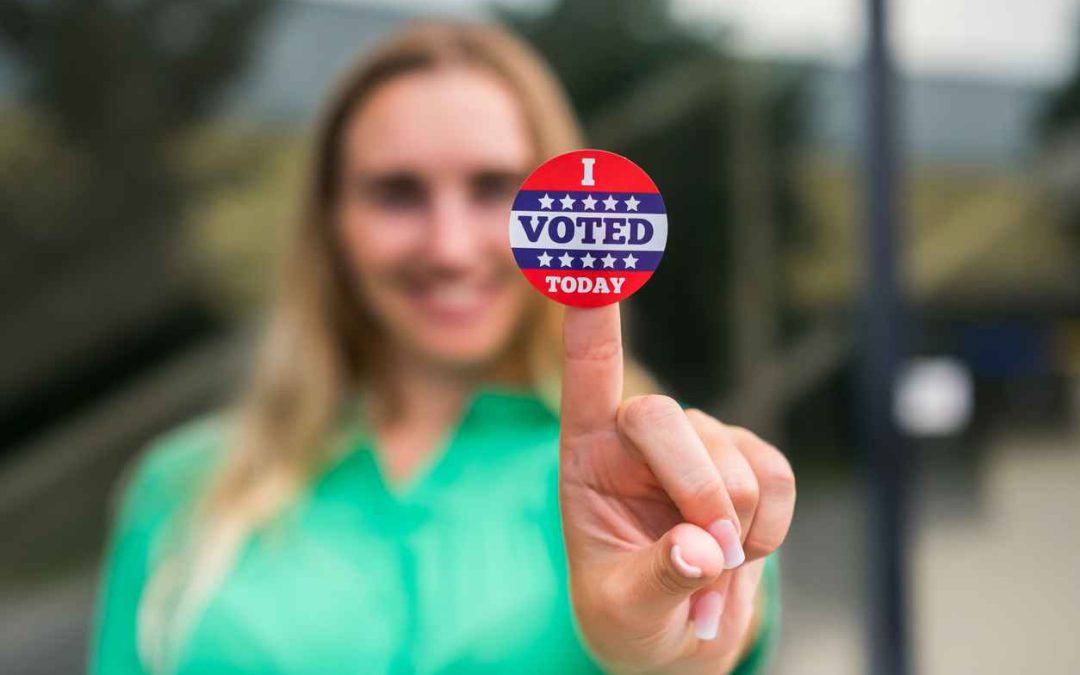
(602, 48)
(110, 89)
(94, 186)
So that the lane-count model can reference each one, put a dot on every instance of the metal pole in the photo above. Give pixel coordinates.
(881, 350)
(754, 298)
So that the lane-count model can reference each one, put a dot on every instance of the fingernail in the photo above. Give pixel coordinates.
(707, 612)
(725, 534)
(684, 568)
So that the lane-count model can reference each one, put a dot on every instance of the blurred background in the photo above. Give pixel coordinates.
(149, 158)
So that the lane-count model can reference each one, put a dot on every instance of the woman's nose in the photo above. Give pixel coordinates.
(451, 236)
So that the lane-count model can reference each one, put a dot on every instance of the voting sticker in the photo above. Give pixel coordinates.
(588, 228)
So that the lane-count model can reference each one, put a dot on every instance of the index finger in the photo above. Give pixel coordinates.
(592, 372)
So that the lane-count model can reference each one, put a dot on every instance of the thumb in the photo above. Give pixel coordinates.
(685, 560)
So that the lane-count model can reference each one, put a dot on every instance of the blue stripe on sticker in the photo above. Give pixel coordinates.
(589, 202)
(579, 259)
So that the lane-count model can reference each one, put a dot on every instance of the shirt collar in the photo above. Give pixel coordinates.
(491, 406)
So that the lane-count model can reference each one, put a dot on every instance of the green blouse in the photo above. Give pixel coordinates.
(462, 570)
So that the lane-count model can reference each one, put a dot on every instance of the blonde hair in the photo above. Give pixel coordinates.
(318, 348)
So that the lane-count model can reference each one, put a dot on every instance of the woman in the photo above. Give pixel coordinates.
(387, 496)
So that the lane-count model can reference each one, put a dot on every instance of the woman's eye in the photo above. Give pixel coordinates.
(396, 193)
(494, 187)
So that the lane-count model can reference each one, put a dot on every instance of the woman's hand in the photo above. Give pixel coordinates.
(667, 515)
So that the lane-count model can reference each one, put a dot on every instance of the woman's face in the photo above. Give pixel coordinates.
(432, 160)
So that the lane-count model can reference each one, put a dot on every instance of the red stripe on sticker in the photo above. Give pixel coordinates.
(586, 288)
(590, 171)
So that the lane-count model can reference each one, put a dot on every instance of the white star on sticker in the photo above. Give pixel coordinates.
(632, 203)
(609, 203)
(608, 261)
(590, 203)
(630, 262)
(566, 260)
(545, 201)
(567, 202)
(587, 260)
(545, 259)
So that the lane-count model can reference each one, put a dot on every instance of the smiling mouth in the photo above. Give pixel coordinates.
(457, 300)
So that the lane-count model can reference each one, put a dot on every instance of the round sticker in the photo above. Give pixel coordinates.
(588, 228)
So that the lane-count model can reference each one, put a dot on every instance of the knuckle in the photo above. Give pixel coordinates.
(709, 426)
(696, 415)
(589, 345)
(764, 541)
(773, 470)
(595, 350)
(713, 432)
(665, 578)
(700, 487)
(744, 493)
(744, 437)
(777, 477)
(642, 412)
(760, 547)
